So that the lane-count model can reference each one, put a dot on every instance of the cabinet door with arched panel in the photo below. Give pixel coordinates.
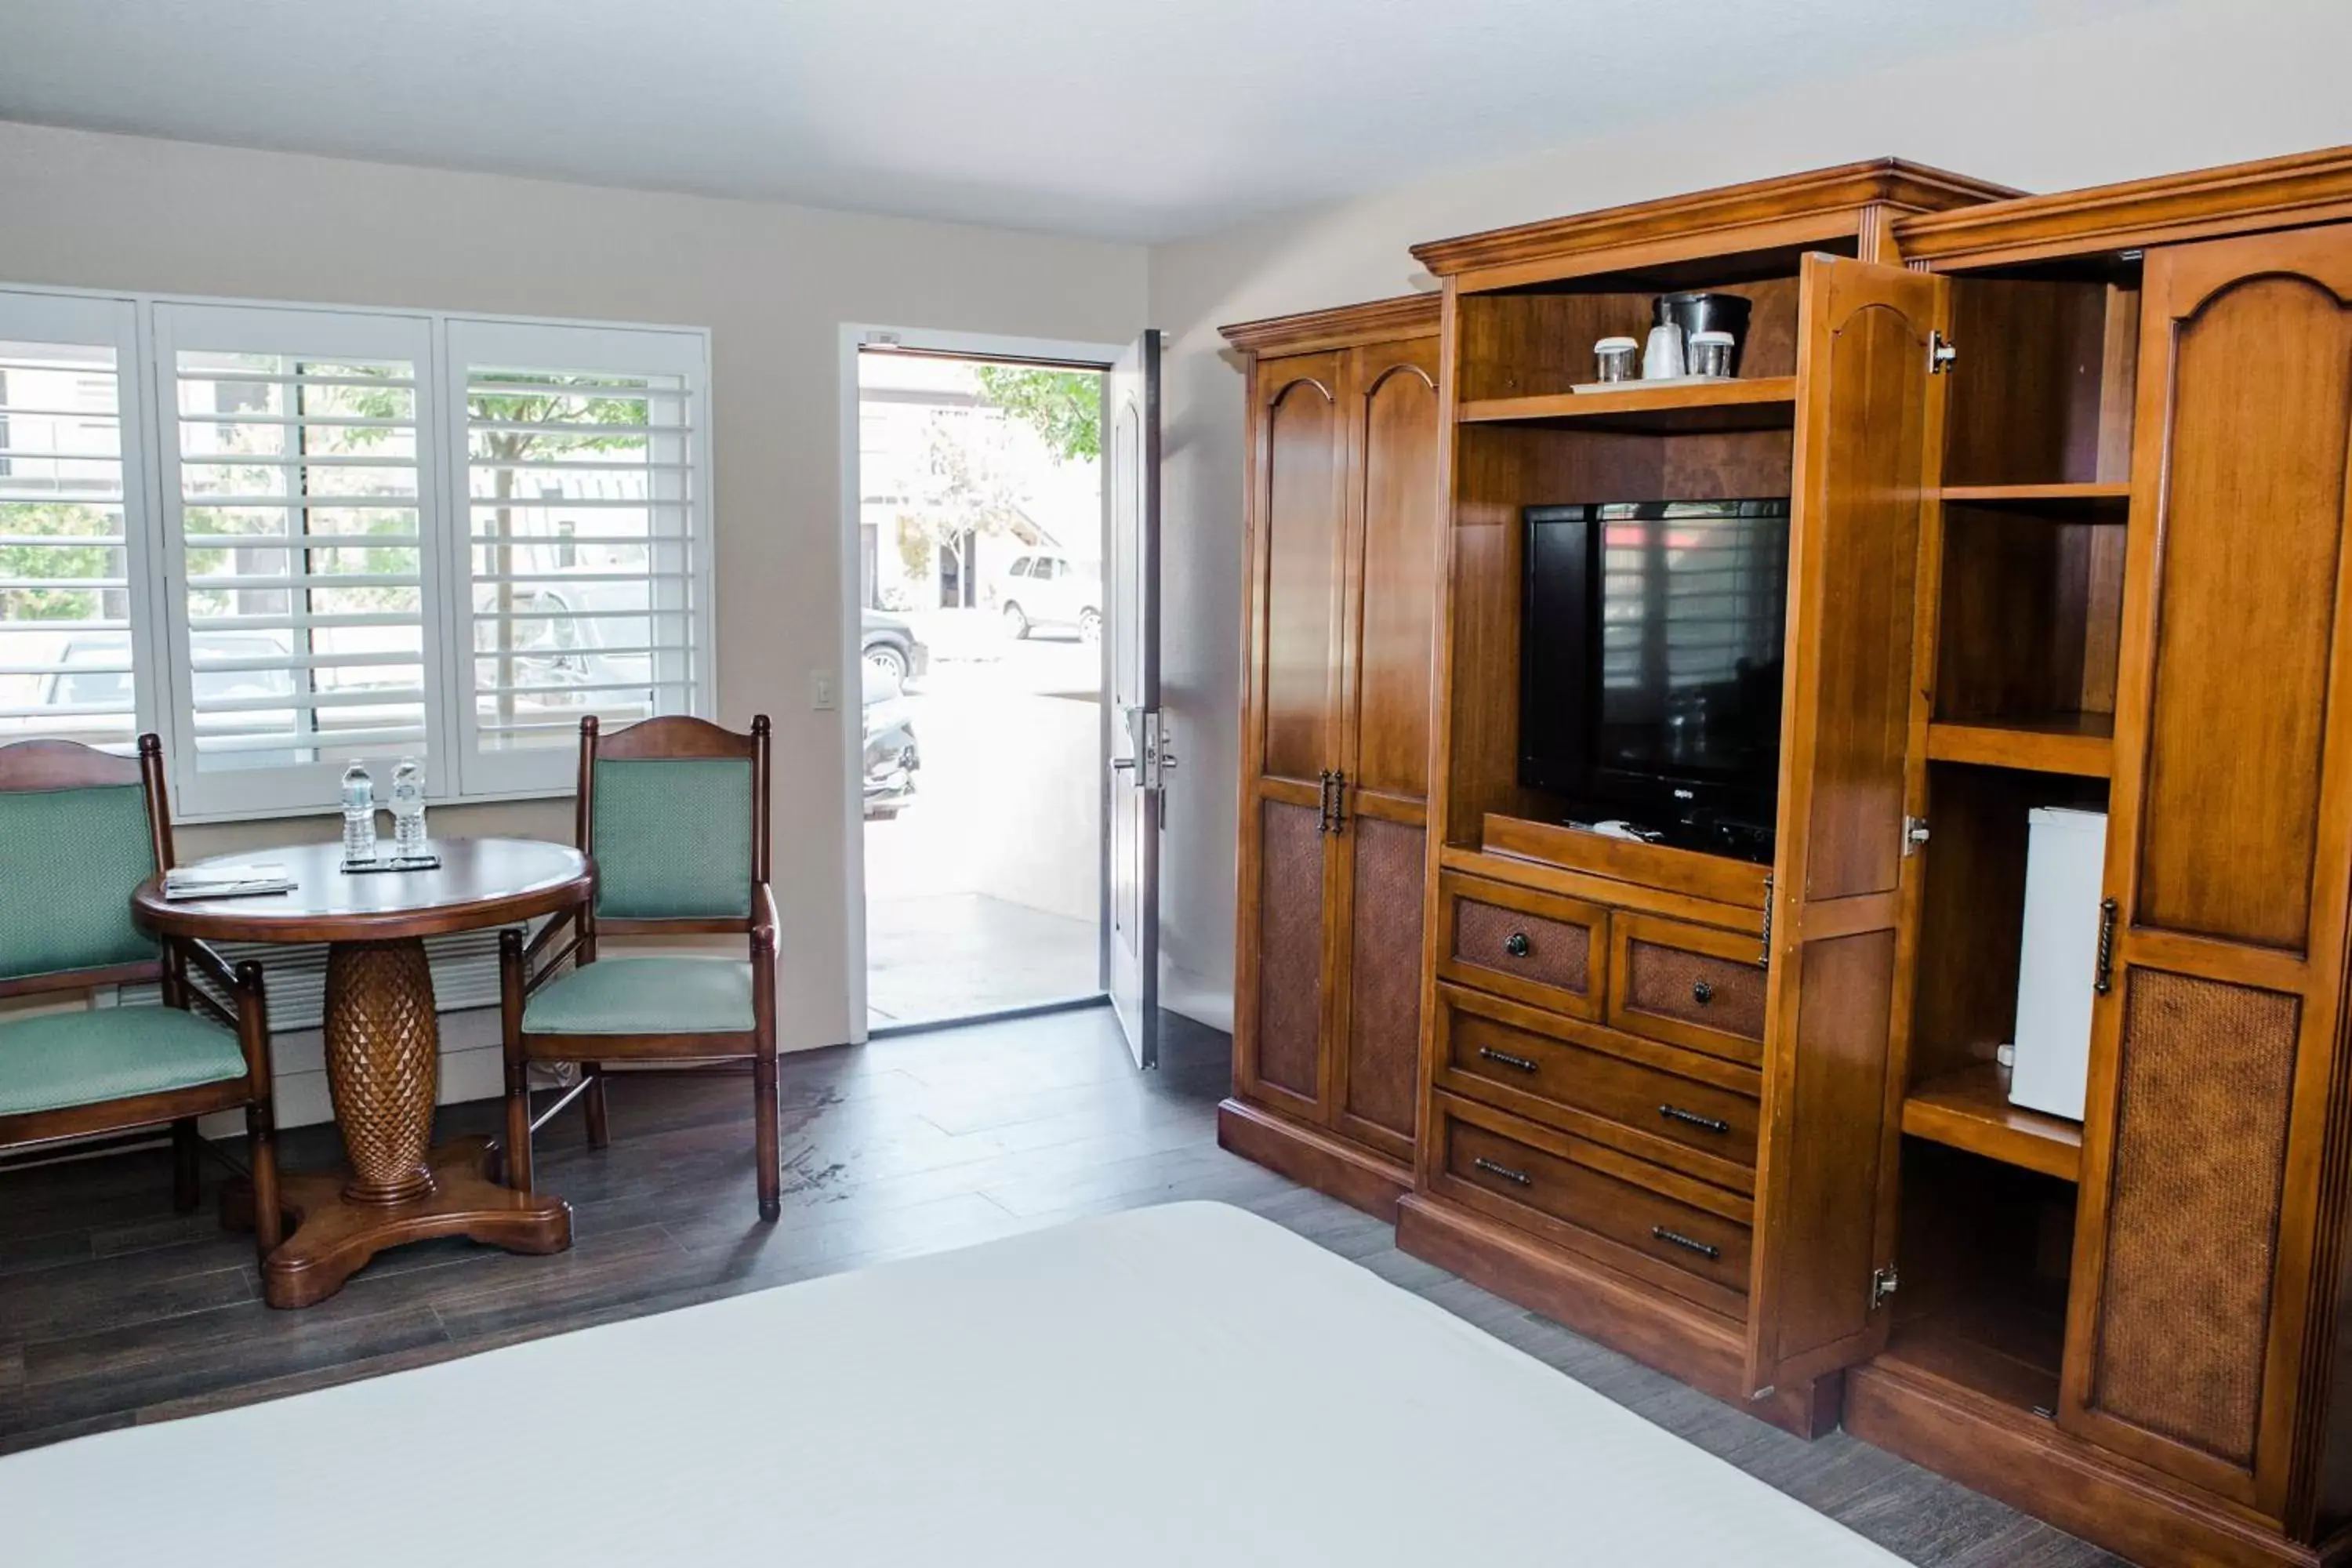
(2201, 1263)
(1396, 555)
(1298, 470)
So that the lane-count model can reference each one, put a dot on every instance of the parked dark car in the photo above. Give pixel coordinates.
(891, 758)
(889, 643)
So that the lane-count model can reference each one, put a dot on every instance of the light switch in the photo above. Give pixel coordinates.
(821, 693)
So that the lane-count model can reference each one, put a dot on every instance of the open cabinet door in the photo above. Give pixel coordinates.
(1868, 458)
(1138, 754)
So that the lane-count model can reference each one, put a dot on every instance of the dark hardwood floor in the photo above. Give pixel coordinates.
(115, 1310)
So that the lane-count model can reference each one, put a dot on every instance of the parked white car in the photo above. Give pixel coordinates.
(1052, 593)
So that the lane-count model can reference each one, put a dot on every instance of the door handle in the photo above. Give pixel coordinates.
(1323, 801)
(1339, 801)
(2104, 981)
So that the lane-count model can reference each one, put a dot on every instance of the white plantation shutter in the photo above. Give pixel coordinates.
(584, 584)
(298, 472)
(75, 649)
(286, 537)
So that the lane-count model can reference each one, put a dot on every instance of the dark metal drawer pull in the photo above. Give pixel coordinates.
(1677, 1113)
(1702, 993)
(1679, 1239)
(2103, 979)
(1492, 1169)
(1509, 1061)
(1516, 944)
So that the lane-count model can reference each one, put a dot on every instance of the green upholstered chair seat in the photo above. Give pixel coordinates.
(53, 1060)
(656, 994)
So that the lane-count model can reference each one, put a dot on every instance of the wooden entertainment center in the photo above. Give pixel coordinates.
(2068, 485)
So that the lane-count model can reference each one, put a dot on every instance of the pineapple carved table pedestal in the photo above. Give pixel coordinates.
(383, 1047)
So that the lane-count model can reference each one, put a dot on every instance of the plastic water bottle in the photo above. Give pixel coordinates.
(408, 809)
(359, 814)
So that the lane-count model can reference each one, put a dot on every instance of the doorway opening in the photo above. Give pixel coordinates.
(980, 514)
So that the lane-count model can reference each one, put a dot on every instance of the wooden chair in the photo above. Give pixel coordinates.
(674, 811)
(79, 831)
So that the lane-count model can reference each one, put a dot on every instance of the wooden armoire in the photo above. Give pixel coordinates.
(1345, 555)
(2071, 525)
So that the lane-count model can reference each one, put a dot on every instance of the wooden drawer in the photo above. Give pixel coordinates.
(1538, 948)
(1687, 985)
(1676, 1233)
(1693, 1112)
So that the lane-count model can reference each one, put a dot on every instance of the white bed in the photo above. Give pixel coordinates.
(1181, 1385)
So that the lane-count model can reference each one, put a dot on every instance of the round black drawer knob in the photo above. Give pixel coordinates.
(1702, 993)
(1516, 944)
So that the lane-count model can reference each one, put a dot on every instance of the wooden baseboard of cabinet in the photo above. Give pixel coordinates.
(1656, 1330)
(2026, 1461)
(1314, 1157)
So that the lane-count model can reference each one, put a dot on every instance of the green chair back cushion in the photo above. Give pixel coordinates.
(52, 1061)
(68, 860)
(672, 838)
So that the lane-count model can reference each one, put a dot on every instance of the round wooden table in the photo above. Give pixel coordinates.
(383, 1045)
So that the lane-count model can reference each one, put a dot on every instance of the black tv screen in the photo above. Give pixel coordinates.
(1650, 655)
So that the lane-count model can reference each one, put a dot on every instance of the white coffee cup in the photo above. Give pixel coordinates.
(1661, 358)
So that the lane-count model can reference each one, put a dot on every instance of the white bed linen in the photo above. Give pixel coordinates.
(1181, 1385)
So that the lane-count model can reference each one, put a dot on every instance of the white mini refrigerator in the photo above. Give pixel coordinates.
(2065, 860)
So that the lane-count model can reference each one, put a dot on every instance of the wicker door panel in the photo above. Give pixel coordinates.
(1384, 1043)
(2205, 1072)
(1290, 949)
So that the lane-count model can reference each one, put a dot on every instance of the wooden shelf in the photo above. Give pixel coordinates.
(2081, 745)
(2006, 1349)
(1970, 1110)
(2060, 503)
(1758, 403)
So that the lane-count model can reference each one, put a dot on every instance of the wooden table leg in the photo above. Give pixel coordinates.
(384, 1058)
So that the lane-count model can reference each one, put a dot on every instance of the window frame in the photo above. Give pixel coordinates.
(592, 348)
(295, 333)
(93, 317)
(147, 399)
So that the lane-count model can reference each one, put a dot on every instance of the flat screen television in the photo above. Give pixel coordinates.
(1650, 666)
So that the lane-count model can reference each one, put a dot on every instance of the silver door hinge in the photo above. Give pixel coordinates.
(1941, 353)
(1883, 1282)
(1914, 834)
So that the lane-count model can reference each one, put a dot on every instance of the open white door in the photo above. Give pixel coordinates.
(1137, 755)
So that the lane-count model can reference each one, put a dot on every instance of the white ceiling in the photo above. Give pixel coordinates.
(1128, 120)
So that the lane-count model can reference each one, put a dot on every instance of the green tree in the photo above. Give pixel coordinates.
(967, 491)
(22, 561)
(521, 426)
(1064, 406)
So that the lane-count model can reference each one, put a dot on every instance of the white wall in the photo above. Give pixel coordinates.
(2173, 87)
(773, 284)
